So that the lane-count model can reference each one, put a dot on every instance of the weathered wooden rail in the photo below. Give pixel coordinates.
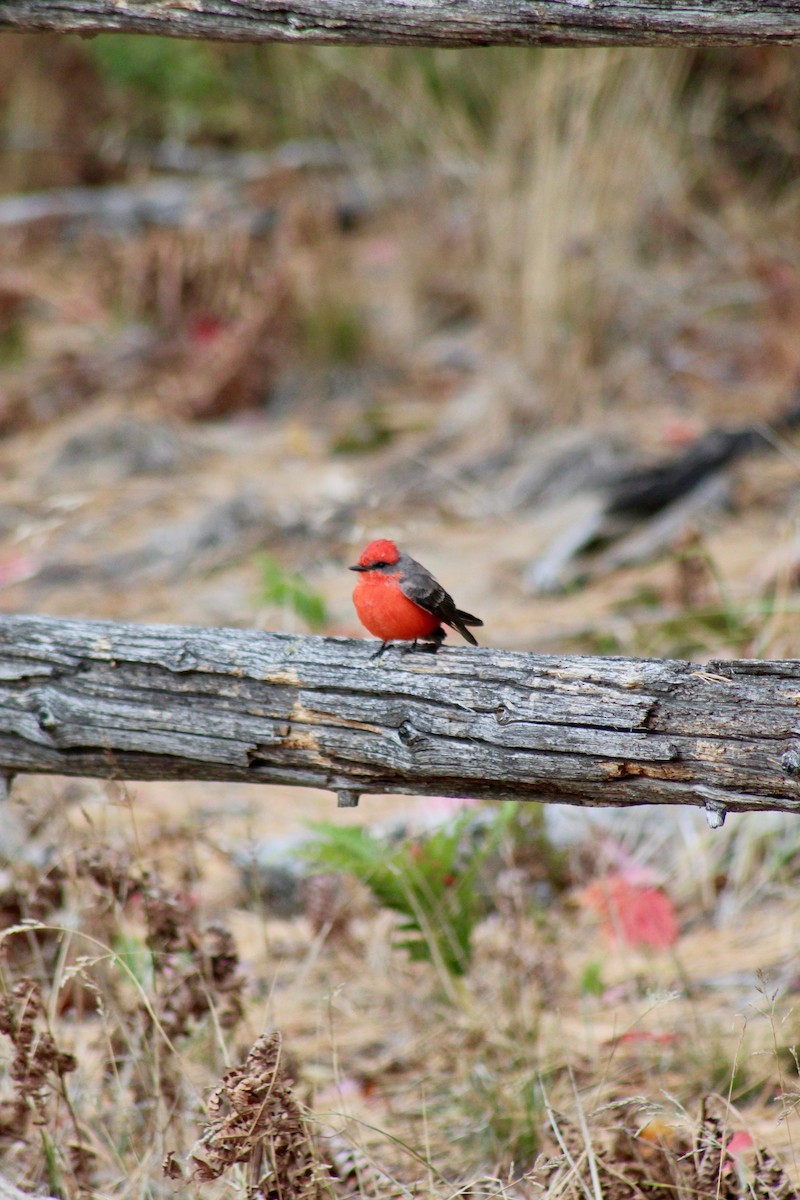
(95, 698)
(423, 22)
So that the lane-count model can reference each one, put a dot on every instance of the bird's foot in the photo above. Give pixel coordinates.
(430, 645)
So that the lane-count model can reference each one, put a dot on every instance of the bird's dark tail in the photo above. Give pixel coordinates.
(467, 618)
(460, 622)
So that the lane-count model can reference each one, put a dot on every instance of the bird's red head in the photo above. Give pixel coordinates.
(379, 551)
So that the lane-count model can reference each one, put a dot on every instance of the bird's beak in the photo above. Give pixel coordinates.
(357, 567)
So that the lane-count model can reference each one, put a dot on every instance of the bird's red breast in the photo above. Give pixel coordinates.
(387, 613)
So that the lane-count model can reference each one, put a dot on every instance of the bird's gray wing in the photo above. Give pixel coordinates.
(420, 586)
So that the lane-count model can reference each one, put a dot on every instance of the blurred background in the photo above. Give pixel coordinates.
(534, 314)
(261, 304)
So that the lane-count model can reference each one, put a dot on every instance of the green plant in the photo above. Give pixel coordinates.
(160, 70)
(333, 331)
(291, 591)
(13, 344)
(432, 882)
(370, 430)
(505, 1112)
(591, 982)
(134, 957)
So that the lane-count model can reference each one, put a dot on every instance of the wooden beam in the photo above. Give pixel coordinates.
(423, 22)
(95, 698)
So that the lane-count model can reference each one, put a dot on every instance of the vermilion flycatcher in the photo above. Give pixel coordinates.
(399, 601)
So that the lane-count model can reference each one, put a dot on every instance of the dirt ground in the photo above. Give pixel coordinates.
(140, 482)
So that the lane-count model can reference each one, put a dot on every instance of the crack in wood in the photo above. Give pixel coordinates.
(484, 723)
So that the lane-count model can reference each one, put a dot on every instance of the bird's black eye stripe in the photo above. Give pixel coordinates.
(376, 566)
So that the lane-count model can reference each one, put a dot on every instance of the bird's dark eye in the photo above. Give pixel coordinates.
(376, 566)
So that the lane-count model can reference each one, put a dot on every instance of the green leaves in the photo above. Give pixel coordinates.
(291, 591)
(160, 68)
(431, 881)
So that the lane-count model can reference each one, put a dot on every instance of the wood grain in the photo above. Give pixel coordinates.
(423, 22)
(95, 698)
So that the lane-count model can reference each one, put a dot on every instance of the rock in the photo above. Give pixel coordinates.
(121, 448)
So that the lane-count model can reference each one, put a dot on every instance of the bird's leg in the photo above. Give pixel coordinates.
(431, 643)
(379, 651)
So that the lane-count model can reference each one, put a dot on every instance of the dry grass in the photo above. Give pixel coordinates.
(132, 1026)
(578, 233)
(587, 147)
(583, 207)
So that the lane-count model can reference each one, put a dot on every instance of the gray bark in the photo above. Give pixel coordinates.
(95, 698)
(423, 22)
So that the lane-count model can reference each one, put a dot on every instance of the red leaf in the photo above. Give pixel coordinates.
(635, 916)
(739, 1143)
(642, 1035)
(205, 328)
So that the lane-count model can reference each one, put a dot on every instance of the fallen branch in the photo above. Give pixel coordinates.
(414, 22)
(96, 698)
(640, 513)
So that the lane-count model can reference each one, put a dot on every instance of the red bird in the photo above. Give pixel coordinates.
(399, 601)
